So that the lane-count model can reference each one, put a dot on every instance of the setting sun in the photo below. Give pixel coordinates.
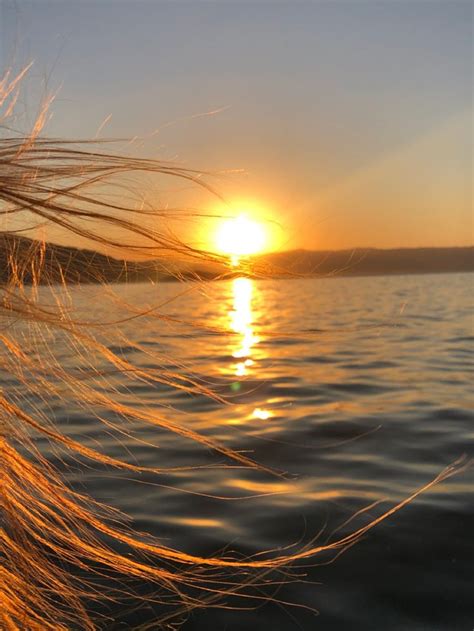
(240, 236)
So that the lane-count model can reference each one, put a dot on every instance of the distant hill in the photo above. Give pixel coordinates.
(26, 259)
(372, 261)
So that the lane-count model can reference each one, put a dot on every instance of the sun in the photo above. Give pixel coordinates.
(240, 236)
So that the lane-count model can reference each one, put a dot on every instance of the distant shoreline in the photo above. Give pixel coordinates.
(74, 265)
(375, 262)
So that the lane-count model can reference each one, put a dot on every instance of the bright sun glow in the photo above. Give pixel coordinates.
(240, 236)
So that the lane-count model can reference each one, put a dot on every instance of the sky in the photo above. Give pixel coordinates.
(344, 124)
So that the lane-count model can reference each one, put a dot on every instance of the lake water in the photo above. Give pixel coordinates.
(357, 389)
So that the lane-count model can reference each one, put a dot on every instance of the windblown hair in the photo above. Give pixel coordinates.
(62, 551)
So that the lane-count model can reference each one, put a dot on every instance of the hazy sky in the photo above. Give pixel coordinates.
(352, 120)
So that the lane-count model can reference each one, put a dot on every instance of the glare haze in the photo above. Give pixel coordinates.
(351, 122)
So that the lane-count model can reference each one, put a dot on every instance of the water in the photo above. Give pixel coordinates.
(357, 389)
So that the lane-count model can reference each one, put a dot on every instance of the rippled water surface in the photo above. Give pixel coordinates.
(357, 389)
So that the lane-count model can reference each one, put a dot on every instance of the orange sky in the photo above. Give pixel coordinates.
(351, 122)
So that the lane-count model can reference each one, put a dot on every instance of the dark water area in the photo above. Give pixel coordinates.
(355, 390)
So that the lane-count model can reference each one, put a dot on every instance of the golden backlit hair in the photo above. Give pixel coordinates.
(61, 551)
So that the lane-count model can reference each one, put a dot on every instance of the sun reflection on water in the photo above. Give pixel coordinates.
(242, 321)
(262, 414)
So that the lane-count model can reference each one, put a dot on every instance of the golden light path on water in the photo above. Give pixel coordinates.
(242, 322)
(237, 237)
(241, 317)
